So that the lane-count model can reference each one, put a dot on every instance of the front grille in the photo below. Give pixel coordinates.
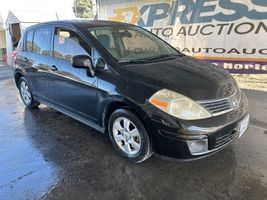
(225, 138)
(221, 106)
(218, 107)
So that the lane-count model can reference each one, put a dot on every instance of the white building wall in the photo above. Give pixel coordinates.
(2, 39)
(8, 47)
(25, 19)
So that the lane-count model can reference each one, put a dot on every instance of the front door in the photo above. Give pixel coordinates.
(70, 88)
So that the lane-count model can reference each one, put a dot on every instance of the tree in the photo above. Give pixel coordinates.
(83, 8)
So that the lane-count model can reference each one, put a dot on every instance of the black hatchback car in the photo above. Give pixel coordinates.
(124, 81)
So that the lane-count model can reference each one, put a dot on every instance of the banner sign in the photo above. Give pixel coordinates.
(228, 33)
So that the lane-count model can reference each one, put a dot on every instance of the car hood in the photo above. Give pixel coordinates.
(188, 76)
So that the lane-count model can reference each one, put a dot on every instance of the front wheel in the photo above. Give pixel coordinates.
(26, 94)
(129, 136)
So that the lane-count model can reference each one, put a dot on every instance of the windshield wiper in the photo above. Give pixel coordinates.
(132, 61)
(158, 57)
(145, 60)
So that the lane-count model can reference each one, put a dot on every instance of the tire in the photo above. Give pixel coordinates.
(129, 136)
(26, 94)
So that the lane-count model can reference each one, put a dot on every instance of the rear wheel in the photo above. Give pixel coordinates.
(129, 136)
(26, 94)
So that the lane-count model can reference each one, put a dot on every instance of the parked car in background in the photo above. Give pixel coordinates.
(124, 81)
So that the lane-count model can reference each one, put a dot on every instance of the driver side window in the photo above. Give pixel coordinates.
(68, 43)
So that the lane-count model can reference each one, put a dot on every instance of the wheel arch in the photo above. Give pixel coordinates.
(17, 76)
(115, 104)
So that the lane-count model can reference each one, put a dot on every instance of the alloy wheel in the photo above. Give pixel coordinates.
(25, 93)
(126, 135)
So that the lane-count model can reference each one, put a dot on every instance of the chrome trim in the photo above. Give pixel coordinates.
(222, 112)
(228, 102)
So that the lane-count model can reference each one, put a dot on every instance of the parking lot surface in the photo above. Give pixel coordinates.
(45, 154)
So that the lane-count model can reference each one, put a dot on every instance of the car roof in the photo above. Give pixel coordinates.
(83, 23)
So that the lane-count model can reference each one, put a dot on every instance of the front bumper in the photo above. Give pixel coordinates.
(172, 137)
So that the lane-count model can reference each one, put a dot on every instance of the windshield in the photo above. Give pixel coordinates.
(128, 44)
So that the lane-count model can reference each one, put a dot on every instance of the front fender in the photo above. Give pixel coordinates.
(113, 102)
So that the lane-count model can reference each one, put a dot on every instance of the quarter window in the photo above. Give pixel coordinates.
(41, 41)
(68, 44)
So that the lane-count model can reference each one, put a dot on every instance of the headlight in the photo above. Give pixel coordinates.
(178, 105)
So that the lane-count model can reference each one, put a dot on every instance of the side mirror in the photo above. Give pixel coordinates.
(83, 62)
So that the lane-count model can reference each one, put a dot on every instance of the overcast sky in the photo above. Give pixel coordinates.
(62, 7)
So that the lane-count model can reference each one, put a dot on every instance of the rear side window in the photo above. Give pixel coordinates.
(67, 44)
(29, 41)
(41, 41)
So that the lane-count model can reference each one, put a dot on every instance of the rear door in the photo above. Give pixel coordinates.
(41, 52)
(35, 59)
(20, 59)
(71, 88)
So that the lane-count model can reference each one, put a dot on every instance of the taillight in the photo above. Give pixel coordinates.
(13, 55)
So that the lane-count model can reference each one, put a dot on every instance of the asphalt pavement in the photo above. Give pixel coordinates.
(47, 155)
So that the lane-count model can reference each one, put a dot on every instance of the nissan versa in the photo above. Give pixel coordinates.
(124, 81)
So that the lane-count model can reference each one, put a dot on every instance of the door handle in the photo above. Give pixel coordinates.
(53, 68)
